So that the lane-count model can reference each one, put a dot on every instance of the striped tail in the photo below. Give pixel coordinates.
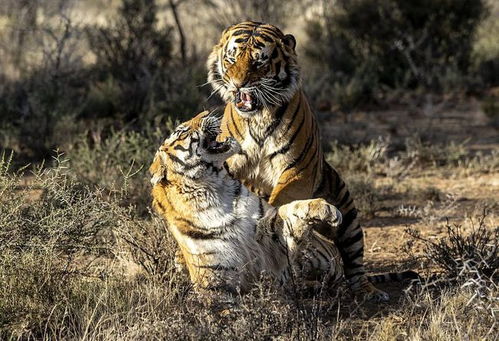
(395, 277)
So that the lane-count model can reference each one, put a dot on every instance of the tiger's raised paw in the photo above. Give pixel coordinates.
(319, 210)
(312, 211)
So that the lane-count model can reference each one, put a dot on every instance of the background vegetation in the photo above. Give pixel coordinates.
(88, 90)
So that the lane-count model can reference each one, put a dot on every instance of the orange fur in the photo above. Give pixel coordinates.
(281, 157)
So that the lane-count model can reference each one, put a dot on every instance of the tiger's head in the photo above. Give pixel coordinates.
(192, 150)
(255, 66)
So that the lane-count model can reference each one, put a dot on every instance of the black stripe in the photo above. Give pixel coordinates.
(253, 135)
(260, 208)
(241, 40)
(277, 68)
(325, 179)
(190, 223)
(351, 240)
(258, 44)
(327, 258)
(340, 187)
(276, 120)
(286, 147)
(179, 147)
(297, 110)
(179, 138)
(200, 235)
(207, 253)
(265, 37)
(183, 174)
(270, 32)
(356, 273)
(274, 54)
(343, 200)
(338, 183)
(302, 154)
(349, 262)
(314, 157)
(239, 32)
(237, 189)
(348, 218)
(217, 267)
(188, 150)
(286, 81)
(177, 160)
(273, 222)
(160, 205)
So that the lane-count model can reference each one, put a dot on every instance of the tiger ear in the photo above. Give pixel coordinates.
(157, 169)
(290, 41)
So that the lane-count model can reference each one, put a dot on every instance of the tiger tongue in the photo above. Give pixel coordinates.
(245, 97)
(246, 101)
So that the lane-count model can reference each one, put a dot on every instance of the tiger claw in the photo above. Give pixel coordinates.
(372, 293)
(377, 296)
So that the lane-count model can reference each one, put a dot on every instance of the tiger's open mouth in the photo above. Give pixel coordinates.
(245, 101)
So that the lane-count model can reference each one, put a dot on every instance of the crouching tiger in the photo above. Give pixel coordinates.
(227, 235)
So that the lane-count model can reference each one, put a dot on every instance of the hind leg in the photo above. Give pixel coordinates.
(319, 264)
(351, 245)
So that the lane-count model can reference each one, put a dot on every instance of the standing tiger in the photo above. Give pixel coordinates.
(227, 235)
(254, 68)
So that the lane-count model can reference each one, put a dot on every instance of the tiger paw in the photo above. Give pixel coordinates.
(321, 211)
(371, 293)
(311, 211)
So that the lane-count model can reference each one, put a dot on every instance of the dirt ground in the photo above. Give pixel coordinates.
(460, 197)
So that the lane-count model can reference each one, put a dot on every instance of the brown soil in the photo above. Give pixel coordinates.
(461, 196)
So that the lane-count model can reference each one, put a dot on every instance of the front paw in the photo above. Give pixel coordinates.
(319, 210)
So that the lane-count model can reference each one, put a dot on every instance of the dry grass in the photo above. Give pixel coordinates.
(82, 256)
(80, 262)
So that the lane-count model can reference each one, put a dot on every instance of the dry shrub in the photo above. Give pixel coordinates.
(117, 161)
(465, 254)
(358, 158)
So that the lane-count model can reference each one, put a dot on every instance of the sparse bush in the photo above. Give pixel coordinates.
(118, 161)
(135, 64)
(429, 194)
(406, 44)
(229, 12)
(367, 196)
(49, 91)
(465, 256)
(423, 154)
(131, 53)
(358, 158)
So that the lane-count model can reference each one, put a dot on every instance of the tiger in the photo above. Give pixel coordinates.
(227, 235)
(254, 69)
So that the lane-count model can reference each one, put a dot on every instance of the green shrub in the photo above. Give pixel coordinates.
(369, 45)
(136, 67)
